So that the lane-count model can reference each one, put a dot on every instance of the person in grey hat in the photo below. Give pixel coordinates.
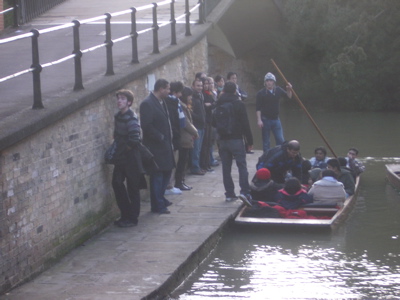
(267, 110)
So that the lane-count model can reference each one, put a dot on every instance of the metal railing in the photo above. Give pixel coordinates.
(77, 53)
(26, 10)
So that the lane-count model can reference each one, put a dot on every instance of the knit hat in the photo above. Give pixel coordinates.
(314, 174)
(269, 76)
(263, 174)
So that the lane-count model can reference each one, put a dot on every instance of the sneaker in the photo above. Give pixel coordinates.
(231, 198)
(124, 223)
(246, 200)
(173, 191)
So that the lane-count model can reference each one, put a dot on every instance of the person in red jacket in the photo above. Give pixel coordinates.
(292, 196)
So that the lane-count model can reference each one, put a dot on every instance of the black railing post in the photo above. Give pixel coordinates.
(37, 68)
(202, 17)
(134, 36)
(173, 23)
(78, 55)
(187, 12)
(109, 42)
(155, 30)
(16, 12)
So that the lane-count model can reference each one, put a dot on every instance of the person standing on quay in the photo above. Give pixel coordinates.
(157, 136)
(199, 121)
(129, 164)
(267, 110)
(231, 142)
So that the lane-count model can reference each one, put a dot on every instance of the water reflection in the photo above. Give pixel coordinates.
(359, 261)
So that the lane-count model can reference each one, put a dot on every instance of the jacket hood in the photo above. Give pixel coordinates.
(223, 98)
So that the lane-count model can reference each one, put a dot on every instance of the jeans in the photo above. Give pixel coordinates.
(195, 166)
(276, 128)
(158, 185)
(229, 149)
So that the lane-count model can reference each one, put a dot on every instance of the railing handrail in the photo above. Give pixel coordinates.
(36, 67)
(6, 10)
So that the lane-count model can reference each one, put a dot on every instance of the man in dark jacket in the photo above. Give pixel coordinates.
(199, 121)
(157, 136)
(129, 165)
(281, 160)
(177, 120)
(267, 110)
(231, 145)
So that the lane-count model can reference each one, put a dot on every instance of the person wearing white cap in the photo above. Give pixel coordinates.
(267, 110)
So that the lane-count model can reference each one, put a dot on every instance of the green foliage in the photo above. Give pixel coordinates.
(345, 52)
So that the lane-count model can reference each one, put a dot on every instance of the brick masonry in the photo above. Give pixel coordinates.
(55, 189)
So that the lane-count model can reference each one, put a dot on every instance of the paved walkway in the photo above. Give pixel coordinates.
(131, 263)
(58, 80)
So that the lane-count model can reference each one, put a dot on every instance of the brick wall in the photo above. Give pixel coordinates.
(55, 188)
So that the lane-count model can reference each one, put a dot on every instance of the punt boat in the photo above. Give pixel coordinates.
(337, 215)
(393, 175)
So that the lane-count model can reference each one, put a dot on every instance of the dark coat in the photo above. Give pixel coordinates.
(198, 110)
(127, 137)
(277, 161)
(128, 141)
(172, 105)
(157, 133)
(293, 201)
(241, 125)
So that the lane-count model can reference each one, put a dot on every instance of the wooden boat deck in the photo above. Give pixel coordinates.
(338, 215)
(393, 174)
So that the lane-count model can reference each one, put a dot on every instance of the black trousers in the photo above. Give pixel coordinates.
(181, 166)
(126, 183)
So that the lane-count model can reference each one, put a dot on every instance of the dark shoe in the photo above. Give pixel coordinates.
(210, 170)
(187, 186)
(164, 212)
(198, 173)
(183, 187)
(116, 222)
(125, 223)
(231, 198)
(246, 200)
(167, 203)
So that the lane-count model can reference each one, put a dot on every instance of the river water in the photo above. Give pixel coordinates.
(361, 260)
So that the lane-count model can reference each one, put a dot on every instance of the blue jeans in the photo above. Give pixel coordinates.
(229, 149)
(276, 128)
(158, 185)
(195, 166)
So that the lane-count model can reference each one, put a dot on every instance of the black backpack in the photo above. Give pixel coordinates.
(223, 118)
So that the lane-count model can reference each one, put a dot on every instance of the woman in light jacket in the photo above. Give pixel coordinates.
(188, 134)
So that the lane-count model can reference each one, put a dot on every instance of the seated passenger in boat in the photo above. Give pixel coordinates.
(262, 187)
(343, 165)
(314, 175)
(353, 163)
(320, 159)
(292, 196)
(342, 175)
(327, 190)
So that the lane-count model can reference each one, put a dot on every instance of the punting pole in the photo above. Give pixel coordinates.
(304, 109)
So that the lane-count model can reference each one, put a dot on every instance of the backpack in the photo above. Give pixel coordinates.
(223, 118)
